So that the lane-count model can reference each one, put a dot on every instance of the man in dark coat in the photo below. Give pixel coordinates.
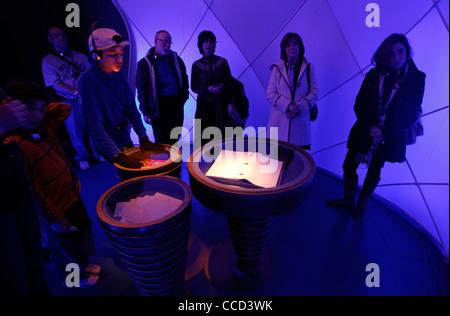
(162, 87)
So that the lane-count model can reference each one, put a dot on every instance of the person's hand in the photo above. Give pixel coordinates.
(12, 115)
(235, 115)
(216, 88)
(146, 144)
(302, 106)
(375, 132)
(293, 110)
(62, 226)
(148, 119)
(78, 99)
(127, 161)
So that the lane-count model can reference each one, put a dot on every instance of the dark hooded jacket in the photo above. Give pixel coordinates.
(404, 109)
(147, 81)
(232, 93)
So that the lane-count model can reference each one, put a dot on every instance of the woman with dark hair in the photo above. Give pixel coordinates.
(207, 74)
(291, 94)
(387, 105)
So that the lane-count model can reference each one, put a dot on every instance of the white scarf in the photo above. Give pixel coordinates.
(382, 109)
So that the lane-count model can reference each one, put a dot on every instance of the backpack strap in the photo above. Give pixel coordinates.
(69, 62)
(308, 80)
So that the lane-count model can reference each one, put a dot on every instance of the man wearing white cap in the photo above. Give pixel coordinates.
(108, 104)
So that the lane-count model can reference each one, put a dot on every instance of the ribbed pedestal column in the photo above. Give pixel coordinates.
(243, 263)
(249, 238)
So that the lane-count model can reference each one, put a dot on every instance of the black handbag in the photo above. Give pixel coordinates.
(313, 110)
(413, 131)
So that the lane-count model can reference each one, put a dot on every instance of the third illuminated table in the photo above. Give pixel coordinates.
(249, 180)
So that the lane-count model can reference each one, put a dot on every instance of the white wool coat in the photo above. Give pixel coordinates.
(296, 130)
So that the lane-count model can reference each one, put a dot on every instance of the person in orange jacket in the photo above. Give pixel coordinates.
(65, 223)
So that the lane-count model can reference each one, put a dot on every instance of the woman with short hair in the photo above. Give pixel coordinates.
(290, 94)
(207, 76)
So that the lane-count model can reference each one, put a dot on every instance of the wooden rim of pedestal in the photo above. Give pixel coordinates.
(110, 221)
(174, 152)
(194, 171)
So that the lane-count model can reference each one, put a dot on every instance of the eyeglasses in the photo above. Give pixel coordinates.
(165, 41)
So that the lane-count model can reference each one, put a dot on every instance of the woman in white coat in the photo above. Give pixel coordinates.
(289, 95)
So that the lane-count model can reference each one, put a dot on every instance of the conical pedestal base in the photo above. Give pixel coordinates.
(225, 274)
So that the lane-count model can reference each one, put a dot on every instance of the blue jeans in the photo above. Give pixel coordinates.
(77, 130)
(21, 255)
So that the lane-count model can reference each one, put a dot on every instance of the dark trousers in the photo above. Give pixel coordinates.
(21, 253)
(73, 247)
(351, 165)
(171, 115)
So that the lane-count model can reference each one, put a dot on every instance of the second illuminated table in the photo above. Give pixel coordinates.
(249, 180)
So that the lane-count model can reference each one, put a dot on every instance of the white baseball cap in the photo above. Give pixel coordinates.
(105, 38)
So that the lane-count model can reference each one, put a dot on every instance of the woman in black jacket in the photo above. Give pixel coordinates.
(387, 105)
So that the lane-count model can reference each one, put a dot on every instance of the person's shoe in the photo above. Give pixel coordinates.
(360, 207)
(343, 203)
(93, 269)
(101, 158)
(348, 201)
(84, 165)
(89, 282)
(369, 186)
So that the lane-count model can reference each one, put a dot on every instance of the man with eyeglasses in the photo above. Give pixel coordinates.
(162, 86)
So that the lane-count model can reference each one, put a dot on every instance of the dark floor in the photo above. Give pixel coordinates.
(316, 250)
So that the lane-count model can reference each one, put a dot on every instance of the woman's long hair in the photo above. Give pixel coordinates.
(381, 57)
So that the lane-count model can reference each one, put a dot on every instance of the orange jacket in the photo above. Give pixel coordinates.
(53, 179)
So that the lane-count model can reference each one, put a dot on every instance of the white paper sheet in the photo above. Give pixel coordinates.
(146, 209)
(246, 165)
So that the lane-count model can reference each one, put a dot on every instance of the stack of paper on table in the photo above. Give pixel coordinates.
(146, 209)
(258, 169)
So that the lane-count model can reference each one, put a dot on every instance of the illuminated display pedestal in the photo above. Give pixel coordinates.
(151, 236)
(168, 163)
(249, 201)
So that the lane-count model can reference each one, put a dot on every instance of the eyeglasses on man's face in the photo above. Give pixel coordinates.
(165, 42)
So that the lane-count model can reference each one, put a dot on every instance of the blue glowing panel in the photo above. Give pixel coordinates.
(253, 24)
(336, 116)
(438, 201)
(430, 43)
(394, 17)
(429, 157)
